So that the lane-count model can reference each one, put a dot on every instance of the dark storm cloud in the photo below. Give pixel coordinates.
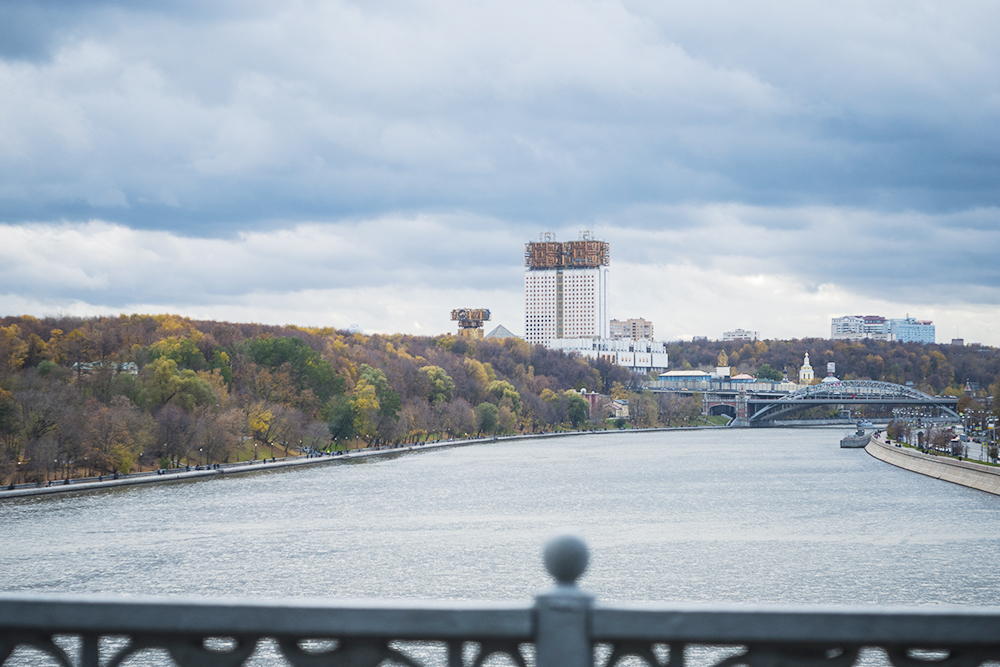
(385, 144)
(208, 120)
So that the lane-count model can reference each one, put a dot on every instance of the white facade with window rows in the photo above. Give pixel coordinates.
(565, 303)
(640, 356)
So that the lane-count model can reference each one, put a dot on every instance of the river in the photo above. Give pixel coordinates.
(744, 516)
(770, 516)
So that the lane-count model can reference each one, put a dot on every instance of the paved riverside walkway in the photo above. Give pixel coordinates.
(965, 473)
(90, 483)
(178, 474)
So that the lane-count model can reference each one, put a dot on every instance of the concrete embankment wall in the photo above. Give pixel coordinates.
(965, 473)
(247, 467)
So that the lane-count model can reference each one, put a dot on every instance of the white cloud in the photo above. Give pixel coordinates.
(839, 157)
(711, 269)
(329, 109)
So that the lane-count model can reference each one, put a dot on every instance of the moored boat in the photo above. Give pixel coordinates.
(858, 440)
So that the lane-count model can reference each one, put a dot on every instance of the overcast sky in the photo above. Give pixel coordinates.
(754, 164)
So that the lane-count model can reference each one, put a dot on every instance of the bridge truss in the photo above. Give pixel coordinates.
(848, 392)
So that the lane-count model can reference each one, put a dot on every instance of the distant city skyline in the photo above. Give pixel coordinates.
(760, 165)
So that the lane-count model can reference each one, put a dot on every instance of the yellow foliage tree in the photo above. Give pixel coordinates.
(366, 407)
(13, 350)
(477, 371)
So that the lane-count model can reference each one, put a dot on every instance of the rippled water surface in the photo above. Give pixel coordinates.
(736, 516)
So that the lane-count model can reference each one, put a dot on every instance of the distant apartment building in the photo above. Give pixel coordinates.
(859, 327)
(876, 327)
(741, 334)
(910, 330)
(632, 329)
(565, 289)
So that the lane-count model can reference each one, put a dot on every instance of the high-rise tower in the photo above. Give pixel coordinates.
(565, 288)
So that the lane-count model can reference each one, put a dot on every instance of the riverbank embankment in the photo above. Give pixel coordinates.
(964, 473)
(173, 475)
(91, 484)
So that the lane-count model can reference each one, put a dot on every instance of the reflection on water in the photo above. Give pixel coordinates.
(747, 516)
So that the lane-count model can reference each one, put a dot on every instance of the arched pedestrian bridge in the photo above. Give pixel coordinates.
(766, 408)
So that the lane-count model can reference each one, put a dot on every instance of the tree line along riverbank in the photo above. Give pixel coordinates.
(95, 396)
(99, 396)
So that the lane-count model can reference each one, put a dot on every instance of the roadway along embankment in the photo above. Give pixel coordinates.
(965, 473)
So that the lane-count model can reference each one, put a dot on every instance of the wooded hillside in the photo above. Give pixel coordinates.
(935, 369)
(100, 395)
(111, 394)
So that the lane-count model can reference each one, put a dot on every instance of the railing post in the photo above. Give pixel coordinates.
(562, 615)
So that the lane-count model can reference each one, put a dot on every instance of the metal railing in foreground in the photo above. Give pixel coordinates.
(563, 628)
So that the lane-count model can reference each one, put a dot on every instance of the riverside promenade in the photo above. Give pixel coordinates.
(214, 470)
(965, 473)
(179, 474)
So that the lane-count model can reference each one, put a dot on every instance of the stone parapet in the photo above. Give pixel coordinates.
(965, 473)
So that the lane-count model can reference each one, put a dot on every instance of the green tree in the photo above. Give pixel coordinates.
(487, 418)
(441, 385)
(307, 367)
(502, 389)
(765, 372)
(342, 416)
(577, 408)
(164, 383)
(184, 351)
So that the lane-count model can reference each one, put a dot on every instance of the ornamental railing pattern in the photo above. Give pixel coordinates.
(564, 627)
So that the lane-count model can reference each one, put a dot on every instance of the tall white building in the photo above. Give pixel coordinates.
(565, 289)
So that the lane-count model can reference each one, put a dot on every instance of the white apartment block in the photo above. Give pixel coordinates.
(639, 356)
(909, 330)
(876, 327)
(860, 327)
(632, 329)
(740, 334)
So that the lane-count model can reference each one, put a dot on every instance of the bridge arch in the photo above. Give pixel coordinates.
(723, 409)
(849, 392)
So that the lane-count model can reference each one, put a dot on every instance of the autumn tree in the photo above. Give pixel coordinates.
(458, 417)
(176, 432)
(377, 405)
(117, 434)
(440, 385)
(13, 350)
(643, 410)
(183, 351)
(165, 383)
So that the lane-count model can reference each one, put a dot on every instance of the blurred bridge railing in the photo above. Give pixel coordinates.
(564, 627)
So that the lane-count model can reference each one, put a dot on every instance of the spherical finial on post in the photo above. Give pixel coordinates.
(566, 557)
